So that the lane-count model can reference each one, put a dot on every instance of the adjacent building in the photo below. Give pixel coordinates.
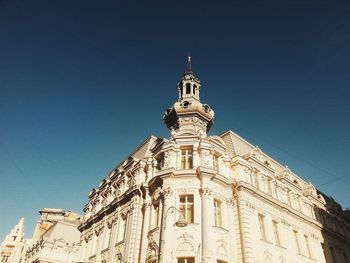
(56, 238)
(195, 197)
(11, 249)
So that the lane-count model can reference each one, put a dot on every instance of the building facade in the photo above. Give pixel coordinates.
(195, 197)
(11, 249)
(56, 238)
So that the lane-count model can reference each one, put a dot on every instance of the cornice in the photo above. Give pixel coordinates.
(248, 188)
(110, 208)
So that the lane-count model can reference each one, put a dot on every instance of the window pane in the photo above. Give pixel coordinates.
(190, 163)
(262, 227)
(185, 260)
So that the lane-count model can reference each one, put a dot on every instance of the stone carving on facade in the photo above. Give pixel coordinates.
(92, 259)
(250, 206)
(166, 162)
(131, 180)
(117, 189)
(207, 158)
(99, 229)
(307, 209)
(221, 251)
(186, 237)
(205, 191)
(264, 183)
(310, 190)
(282, 259)
(152, 252)
(185, 246)
(267, 256)
(256, 154)
(230, 202)
(167, 192)
(119, 251)
(295, 201)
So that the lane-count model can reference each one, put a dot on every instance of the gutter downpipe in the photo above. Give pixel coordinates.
(241, 234)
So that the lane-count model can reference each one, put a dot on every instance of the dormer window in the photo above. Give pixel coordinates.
(188, 88)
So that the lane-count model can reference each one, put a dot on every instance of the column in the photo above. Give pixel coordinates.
(231, 227)
(165, 245)
(145, 226)
(207, 225)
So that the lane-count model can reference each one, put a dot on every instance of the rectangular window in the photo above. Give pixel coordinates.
(216, 163)
(308, 246)
(186, 158)
(217, 213)
(186, 208)
(156, 215)
(297, 242)
(121, 230)
(276, 233)
(185, 260)
(262, 226)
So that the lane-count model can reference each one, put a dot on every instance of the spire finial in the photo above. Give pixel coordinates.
(189, 66)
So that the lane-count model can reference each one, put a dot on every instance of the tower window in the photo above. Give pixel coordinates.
(188, 88)
(186, 158)
(194, 89)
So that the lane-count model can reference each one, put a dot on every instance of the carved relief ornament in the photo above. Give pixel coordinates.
(206, 191)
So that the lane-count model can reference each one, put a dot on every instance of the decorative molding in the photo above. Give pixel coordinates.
(205, 191)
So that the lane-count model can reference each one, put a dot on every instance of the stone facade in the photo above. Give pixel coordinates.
(56, 237)
(11, 249)
(238, 203)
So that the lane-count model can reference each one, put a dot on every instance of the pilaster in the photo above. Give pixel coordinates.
(207, 225)
(145, 226)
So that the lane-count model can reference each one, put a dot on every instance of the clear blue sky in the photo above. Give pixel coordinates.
(82, 83)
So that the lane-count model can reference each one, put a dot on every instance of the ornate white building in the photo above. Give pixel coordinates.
(56, 238)
(11, 249)
(201, 198)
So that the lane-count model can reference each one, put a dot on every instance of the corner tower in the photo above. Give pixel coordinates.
(188, 116)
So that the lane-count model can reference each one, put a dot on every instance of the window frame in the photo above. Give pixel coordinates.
(185, 260)
(262, 227)
(297, 241)
(276, 232)
(186, 208)
(217, 212)
(186, 158)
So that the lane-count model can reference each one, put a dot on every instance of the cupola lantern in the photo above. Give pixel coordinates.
(188, 116)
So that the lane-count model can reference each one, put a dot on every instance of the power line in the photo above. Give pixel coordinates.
(335, 177)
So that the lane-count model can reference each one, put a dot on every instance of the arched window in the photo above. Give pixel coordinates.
(194, 89)
(188, 88)
(181, 89)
